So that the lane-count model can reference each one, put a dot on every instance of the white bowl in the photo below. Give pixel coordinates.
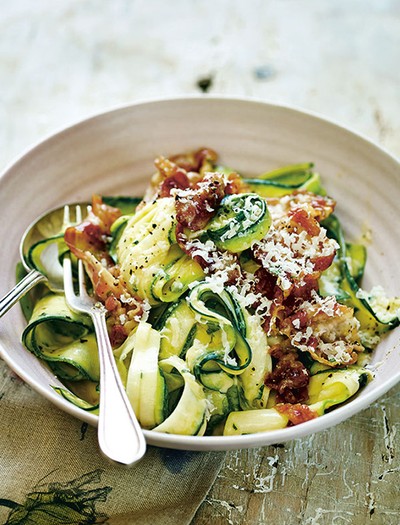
(113, 153)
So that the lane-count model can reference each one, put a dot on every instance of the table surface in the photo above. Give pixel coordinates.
(63, 61)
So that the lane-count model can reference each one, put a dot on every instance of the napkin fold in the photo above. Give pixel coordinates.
(52, 473)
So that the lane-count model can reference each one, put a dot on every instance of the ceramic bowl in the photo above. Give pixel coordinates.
(113, 153)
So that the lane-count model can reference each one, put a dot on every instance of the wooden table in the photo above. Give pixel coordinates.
(62, 61)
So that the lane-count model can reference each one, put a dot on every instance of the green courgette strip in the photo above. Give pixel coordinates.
(222, 328)
(76, 400)
(207, 329)
(191, 413)
(152, 264)
(370, 320)
(240, 220)
(177, 327)
(63, 339)
(330, 281)
(145, 384)
(286, 180)
(251, 388)
(172, 281)
(53, 249)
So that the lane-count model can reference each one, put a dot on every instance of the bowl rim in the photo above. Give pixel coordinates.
(192, 98)
(206, 443)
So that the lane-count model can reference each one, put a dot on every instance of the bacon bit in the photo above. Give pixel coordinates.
(104, 282)
(177, 181)
(111, 303)
(306, 221)
(86, 236)
(328, 322)
(106, 214)
(167, 168)
(265, 283)
(196, 206)
(235, 184)
(196, 160)
(323, 206)
(117, 335)
(170, 176)
(289, 377)
(88, 242)
(299, 319)
(286, 228)
(322, 263)
(297, 413)
(317, 206)
(276, 312)
(304, 290)
(90, 235)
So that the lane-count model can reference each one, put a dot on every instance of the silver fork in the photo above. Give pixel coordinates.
(119, 433)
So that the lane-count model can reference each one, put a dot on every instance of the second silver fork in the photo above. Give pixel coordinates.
(120, 436)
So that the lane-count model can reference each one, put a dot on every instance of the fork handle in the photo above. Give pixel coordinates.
(120, 436)
(14, 295)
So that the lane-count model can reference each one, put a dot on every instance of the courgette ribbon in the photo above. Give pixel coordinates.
(152, 264)
(286, 180)
(221, 332)
(371, 322)
(240, 220)
(223, 345)
(62, 338)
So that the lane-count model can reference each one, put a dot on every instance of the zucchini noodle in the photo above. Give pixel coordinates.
(234, 304)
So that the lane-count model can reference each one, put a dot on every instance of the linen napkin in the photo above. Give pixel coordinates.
(52, 473)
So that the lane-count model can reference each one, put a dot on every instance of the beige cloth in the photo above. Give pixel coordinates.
(51, 471)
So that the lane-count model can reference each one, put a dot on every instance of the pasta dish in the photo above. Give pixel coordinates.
(234, 303)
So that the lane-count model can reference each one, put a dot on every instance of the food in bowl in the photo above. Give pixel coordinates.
(234, 304)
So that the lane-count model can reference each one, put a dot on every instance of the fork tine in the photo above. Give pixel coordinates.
(78, 214)
(68, 220)
(66, 215)
(81, 280)
(68, 286)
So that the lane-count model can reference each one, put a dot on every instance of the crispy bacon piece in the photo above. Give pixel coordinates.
(305, 221)
(92, 233)
(297, 413)
(197, 161)
(326, 329)
(105, 213)
(295, 252)
(235, 184)
(171, 176)
(197, 205)
(177, 181)
(316, 206)
(265, 283)
(289, 377)
(117, 335)
(105, 285)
